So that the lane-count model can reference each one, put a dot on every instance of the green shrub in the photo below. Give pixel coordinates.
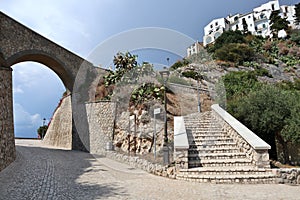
(179, 63)
(234, 52)
(228, 37)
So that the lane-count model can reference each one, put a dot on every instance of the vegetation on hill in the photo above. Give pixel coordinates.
(271, 111)
(129, 72)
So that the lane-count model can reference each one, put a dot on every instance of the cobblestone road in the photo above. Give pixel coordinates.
(45, 173)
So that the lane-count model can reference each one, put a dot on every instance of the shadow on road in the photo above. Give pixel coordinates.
(41, 173)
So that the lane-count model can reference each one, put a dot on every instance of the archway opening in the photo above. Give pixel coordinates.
(37, 91)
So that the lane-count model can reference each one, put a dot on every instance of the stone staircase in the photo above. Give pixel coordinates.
(214, 157)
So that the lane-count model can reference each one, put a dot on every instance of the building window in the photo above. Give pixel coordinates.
(208, 39)
(211, 26)
(273, 7)
(249, 17)
(264, 25)
(236, 27)
(236, 18)
(216, 23)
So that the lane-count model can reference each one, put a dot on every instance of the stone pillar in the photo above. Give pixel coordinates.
(7, 141)
(261, 158)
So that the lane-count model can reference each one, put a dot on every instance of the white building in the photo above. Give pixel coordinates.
(194, 48)
(256, 22)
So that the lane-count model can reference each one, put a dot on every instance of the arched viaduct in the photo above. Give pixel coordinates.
(19, 43)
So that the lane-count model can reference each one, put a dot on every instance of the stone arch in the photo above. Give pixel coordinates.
(19, 43)
(46, 59)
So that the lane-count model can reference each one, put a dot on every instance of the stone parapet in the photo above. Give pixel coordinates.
(254, 147)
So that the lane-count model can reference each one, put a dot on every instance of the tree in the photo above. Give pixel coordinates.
(245, 26)
(228, 37)
(235, 52)
(270, 111)
(239, 84)
(123, 63)
(42, 131)
(278, 23)
(265, 112)
(297, 15)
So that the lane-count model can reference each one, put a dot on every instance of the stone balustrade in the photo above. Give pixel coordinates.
(254, 147)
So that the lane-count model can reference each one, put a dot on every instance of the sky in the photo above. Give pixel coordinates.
(82, 26)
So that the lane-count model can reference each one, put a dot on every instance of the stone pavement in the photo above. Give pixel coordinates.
(41, 172)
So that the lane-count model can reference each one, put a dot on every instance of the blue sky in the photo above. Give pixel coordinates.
(80, 26)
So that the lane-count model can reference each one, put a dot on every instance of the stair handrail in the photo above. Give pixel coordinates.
(255, 148)
(256, 142)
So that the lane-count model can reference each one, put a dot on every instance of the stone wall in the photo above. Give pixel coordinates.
(100, 117)
(59, 133)
(7, 142)
(287, 176)
(157, 169)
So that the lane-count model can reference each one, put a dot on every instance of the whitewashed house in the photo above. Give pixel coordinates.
(257, 21)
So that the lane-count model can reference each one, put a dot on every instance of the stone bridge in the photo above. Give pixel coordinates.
(18, 44)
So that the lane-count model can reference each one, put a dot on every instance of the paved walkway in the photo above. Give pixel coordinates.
(44, 173)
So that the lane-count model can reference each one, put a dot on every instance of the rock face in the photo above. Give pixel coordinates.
(141, 140)
(59, 133)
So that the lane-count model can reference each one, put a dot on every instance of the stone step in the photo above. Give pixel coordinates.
(224, 171)
(209, 132)
(205, 128)
(201, 122)
(207, 141)
(209, 137)
(202, 125)
(205, 156)
(212, 145)
(214, 150)
(219, 162)
(230, 179)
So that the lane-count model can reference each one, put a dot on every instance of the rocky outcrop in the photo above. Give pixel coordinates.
(138, 139)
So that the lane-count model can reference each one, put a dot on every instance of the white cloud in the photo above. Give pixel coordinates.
(18, 89)
(24, 119)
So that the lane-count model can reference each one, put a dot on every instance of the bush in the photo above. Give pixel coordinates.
(228, 37)
(234, 52)
(42, 131)
(192, 74)
(295, 36)
(179, 63)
